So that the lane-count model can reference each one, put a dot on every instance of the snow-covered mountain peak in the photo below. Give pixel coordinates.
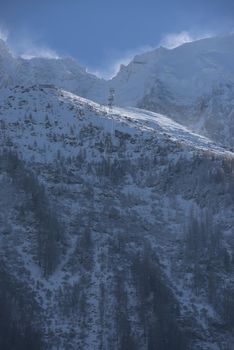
(187, 71)
(193, 84)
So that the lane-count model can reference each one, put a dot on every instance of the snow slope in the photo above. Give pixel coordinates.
(40, 101)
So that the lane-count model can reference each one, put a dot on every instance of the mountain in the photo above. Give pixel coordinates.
(192, 84)
(62, 72)
(116, 228)
(189, 70)
(116, 223)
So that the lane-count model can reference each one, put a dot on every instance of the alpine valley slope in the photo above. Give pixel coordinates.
(116, 228)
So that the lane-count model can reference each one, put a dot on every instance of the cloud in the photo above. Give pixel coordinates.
(39, 52)
(172, 40)
(27, 47)
(3, 33)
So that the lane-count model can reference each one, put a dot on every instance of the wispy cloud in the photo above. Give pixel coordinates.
(3, 33)
(39, 52)
(24, 45)
(28, 49)
(173, 40)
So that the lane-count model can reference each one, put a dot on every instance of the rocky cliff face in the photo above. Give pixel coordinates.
(116, 228)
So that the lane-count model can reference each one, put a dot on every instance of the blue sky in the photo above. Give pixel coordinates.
(102, 33)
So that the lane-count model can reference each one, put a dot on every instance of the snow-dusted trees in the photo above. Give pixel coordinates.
(125, 339)
(210, 263)
(49, 231)
(84, 250)
(158, 308)
(17, 331)
(203, 239)
(49, 234)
